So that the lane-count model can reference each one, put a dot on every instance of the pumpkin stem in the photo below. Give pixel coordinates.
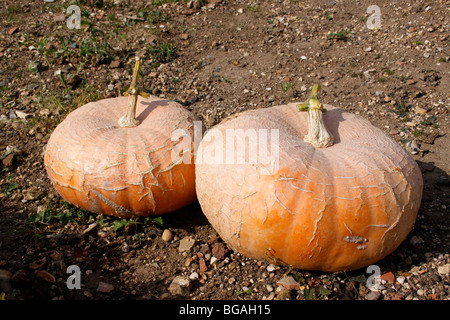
(318, 135)
(129, 119)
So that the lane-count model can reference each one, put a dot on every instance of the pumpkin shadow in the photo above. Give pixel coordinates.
(187, 218)
(332, 118)
(149, 107)
(432, 228)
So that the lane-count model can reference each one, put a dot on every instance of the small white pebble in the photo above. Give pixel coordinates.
(193, 276)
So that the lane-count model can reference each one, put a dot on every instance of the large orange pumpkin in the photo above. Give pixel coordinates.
(341, 196)
(108, 163)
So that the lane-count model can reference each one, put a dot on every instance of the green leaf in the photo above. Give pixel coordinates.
(285, 86)
(10, 188)
(34, 66)
(359, 278)
(324, 292)
(120, 224)
(429, 121)
(158, 220)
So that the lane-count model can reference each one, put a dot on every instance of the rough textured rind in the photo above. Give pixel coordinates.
(104, 168)
(332, 209)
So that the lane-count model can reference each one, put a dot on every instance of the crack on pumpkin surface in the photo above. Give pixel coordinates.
(117, 208)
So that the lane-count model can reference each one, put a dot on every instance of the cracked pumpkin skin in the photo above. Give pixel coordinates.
(335, 208)
(104, 168)
(121, 156)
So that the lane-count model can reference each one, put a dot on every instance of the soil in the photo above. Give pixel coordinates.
(216, 58)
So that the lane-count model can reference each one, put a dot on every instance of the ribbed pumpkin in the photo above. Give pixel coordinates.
(342, 196)
(123, 166)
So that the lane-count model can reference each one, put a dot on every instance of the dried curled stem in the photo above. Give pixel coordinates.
(129, 119)
(318, 135)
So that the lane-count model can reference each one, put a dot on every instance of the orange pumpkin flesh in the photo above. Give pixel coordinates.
(105, 168)
(337, 208)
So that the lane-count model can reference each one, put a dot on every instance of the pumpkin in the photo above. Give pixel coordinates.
(120, 157)
(329, 191)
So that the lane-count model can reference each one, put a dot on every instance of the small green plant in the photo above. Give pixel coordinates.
(35, 67)
(95, 48)
(430, 121)
(316, 294)
(402, 78)
(124, 223)
(401, 109)
(43, 50)
(299, 278)
(9, 188)
(92, 48)
(65, 52)
(164, 53)
(285, 86)
(239, 292)
(62, 213)
(156, 16)
(404, 129)
(340, 35)
(161, 2)
(389, 72)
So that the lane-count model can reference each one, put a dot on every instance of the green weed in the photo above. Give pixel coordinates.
(164, 53)
(161, 2)
(340, 35)
(124, 223)
(316, 293)
(156, 16)
(430, 121)
(285, 86)
(239, 292)
(62, 212)
(401, 109)
(9, 188)
(389, 72)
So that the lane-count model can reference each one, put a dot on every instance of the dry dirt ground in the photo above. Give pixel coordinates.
(217, 58)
